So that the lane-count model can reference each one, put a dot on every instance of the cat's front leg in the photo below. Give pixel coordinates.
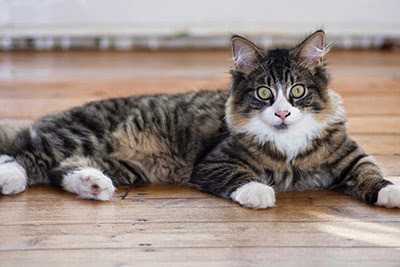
(363, 179)
(240, 187)
(232, 172)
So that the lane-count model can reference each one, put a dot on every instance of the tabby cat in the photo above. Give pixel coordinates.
(279, 127)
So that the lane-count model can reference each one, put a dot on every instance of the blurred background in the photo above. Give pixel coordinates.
(180, 24)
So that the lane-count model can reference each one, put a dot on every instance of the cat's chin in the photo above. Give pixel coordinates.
(281, 127)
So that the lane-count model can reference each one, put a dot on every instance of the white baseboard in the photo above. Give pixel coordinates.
(136, 42)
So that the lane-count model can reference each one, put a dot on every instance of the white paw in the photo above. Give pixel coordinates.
(13, 177)
(89, 183)
(389, 196)
(255, 195)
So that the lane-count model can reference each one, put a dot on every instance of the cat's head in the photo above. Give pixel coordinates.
(280, 91)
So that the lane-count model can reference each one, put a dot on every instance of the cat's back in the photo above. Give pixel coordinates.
(177, 118)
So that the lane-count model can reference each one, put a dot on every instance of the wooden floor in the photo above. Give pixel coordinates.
(175, 225)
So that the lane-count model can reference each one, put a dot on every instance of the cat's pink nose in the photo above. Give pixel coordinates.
(282, 114)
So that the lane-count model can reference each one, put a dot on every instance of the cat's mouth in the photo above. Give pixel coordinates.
(281, 126)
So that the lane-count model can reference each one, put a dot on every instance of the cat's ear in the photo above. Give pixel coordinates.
(312, 50)
(244, 54)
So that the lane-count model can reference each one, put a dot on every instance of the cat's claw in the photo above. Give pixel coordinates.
(13, 179)
(89, 183)
(255, 195)
(389, 196)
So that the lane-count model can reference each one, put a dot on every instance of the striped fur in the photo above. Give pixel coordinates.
(229, 143)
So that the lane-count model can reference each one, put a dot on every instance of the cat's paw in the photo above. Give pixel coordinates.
(389, 196)
(255, 195)
(89, 183)
(13, 177)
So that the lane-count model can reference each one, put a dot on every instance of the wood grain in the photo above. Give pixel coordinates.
(164, 225)
(212, 256)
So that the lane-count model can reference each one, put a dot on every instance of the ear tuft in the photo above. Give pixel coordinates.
(244, 54)
(313, 49)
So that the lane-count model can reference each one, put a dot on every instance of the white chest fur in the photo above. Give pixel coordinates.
(290, 141)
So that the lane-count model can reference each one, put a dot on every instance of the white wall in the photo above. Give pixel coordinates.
(201, 18)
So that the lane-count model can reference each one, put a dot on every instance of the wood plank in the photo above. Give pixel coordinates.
(377, 144)
(236, 256)
(363, 58)
(190, 235)
(354, 86)
(389, 165)
(376, 105)
(105, 88)
(305, 208)
(380, 125)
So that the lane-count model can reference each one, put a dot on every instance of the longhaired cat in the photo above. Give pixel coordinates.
(279, 127)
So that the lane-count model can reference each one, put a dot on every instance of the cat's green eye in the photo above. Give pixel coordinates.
(264, 93)
(297, 91)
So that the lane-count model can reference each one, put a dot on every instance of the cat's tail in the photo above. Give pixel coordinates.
(9, 130)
